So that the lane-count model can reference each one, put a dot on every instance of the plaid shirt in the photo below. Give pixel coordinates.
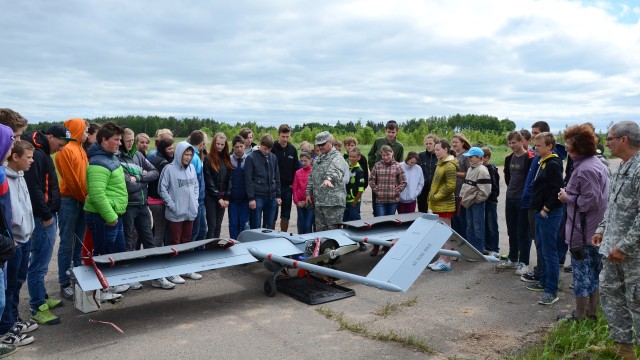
(387, 181)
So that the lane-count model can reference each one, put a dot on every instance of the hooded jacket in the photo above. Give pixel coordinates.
(476, 187)
(528, 186)
(6, 242)
(547, 183)
(179, 187)
(72, 162)
(106, 187)
(42, 178)
(23, 223)
(135, 164)
(415, 183)
(442, 195)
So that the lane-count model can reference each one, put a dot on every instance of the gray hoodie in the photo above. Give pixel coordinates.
(178, 186)
(23, 223)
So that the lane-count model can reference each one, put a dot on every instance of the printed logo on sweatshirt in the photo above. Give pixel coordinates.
(186, 182)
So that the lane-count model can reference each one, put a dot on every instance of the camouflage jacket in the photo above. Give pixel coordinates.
(330, 167)
(621, 225)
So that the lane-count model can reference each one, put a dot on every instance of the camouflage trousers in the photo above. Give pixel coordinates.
(620, 296)
(328, 216)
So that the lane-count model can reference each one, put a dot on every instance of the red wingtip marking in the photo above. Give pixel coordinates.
(366, 240)
(175, 252)
(269, 257)
(397, 221)
(295, 264)
(113, 262)
(229, 244)
(368, 225)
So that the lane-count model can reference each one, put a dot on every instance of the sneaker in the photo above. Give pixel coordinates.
(162, 283)
(529, 277)
(522, 269)
(568, 268)
(44, 316)
(506, 264)
(193, 276)
(494, 254)
(6, 350)
(442, 267)
(66, 291)
(52, 303)
(176, 279)
(25, 326)
(106, 296)
(136, 285)
(548, 299)
(17, 338)
(435, 264)
(119, 289)
(535, 287)
(362, 247)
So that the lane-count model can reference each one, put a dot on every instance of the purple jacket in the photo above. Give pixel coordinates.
(588, 188)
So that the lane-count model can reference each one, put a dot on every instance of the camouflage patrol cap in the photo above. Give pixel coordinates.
(323, 137)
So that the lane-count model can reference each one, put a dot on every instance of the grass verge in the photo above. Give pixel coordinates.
(587, 339)
(390, 308)
(362, 330)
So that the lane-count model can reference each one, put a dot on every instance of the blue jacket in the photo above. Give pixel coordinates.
(238, 191)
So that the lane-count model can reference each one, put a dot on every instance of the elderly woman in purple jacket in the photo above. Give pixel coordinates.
(586, 199)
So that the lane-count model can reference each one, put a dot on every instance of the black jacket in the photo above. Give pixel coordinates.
(261, 176)
(428, 163)
(42, 179)
(217, 184)
(287, 162)
(159, 161)
(495, 183)
(547, 184)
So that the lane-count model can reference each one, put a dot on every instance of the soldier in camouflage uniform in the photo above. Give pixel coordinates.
(619, 238)
(326, 184)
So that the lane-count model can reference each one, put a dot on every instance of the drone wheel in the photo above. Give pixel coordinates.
(327, 246)
(270, 288)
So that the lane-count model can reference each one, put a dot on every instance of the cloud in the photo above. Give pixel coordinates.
(290, 61)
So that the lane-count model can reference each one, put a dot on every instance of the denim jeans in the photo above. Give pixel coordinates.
(106, 239)
(492, 236)
(238, 217)
(459, 219)
(563, 247)
(306, 217)
(2, 290)
(264, 215)
(351, 212)
(547, 232)
(137, 219)
(385, 209)
(475, 226)
(43, 239)
(72, 228)
(517, 219)
(286, 194)
(199, 231)
(17, 268)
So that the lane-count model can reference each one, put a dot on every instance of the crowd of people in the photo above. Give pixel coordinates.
(106, 185)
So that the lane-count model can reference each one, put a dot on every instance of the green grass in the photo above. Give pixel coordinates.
(586, 339)
(390, 308)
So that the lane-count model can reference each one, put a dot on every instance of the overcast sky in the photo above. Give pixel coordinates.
(300, 61)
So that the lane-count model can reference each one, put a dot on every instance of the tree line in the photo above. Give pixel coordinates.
(481, 128)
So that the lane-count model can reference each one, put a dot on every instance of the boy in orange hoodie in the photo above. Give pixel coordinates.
(71, 163)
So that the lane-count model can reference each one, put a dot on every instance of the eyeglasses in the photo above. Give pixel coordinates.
(610, 138)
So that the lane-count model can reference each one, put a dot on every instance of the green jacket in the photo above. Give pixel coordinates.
(442, 194)
(106, 186)
(374, 154)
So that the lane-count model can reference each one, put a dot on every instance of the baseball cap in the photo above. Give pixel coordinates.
(474, 151)
(323, 137)
(60, 132)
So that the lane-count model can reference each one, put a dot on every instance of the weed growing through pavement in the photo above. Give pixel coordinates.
(586, 339)
(361, 329)
(391, 308)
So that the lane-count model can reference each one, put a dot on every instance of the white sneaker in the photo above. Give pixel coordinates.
(118, 289)
(136, 285)
(162, 283)
(176, 279)
(193, 276)
(495, 254)
(17, 338)
(435, 264)
(522, 269)
(506, 264)
(109, 296)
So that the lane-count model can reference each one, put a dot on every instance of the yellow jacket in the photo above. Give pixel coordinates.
(442, 193)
